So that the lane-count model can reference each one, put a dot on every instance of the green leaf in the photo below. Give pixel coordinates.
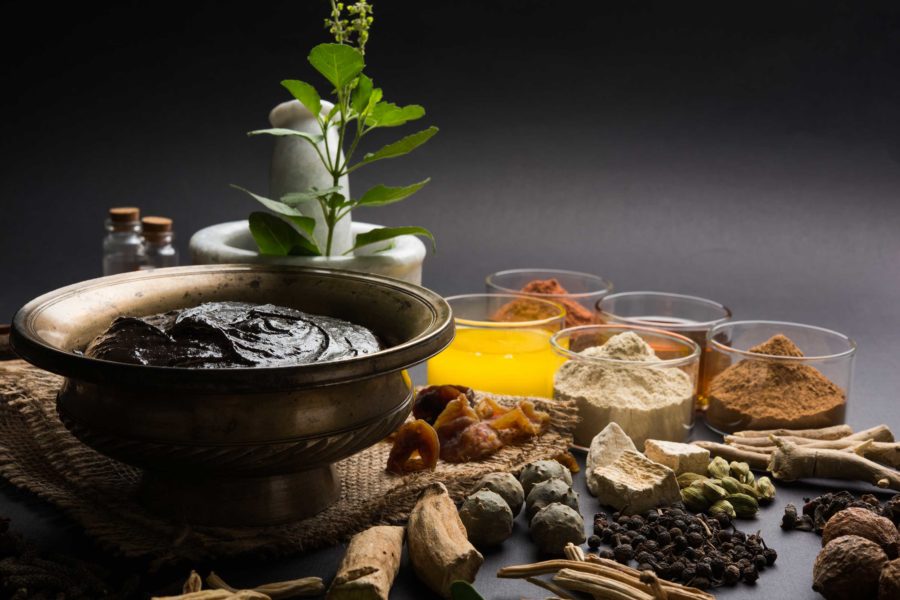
(283, 132)
(382, 194)
(359, 100)
(305, 93)
(398, 148)
(277, 237)
(283, 209)
(294, 198)
(388, 114)
(463, 590)
(339, 64)
(306, 224)
(386, 233)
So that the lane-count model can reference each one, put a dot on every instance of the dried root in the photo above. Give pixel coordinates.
(791, 462)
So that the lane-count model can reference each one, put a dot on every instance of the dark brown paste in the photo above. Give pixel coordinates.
(231, 334)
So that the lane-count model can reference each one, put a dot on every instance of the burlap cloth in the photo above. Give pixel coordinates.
(38, 454)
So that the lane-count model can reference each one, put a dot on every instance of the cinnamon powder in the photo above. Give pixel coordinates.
(517, 310)
(763, 394)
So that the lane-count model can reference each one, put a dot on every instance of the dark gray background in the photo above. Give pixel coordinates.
(746, 152)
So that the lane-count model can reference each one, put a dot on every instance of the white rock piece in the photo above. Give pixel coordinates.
(605, 448)
(681, 458)
(633, 483)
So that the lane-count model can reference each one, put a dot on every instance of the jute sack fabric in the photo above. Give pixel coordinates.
(38, 454)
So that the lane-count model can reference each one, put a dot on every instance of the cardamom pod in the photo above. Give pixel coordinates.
(731, 485)
(745, 506)
(686, 479)
(740, 471)
(718, 468)
(766, 488)
(694, 500)
(710, 490)
(750, 490)
(722, 506)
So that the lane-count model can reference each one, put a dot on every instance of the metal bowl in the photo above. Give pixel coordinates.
(247, 446)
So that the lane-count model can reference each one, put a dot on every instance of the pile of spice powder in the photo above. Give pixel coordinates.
(763, 394)
(517, 310)
(647, 402)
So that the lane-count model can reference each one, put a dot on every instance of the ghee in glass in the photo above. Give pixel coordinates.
(502, 357)
(518, 362)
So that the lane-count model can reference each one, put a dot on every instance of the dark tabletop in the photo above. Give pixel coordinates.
(747, 154)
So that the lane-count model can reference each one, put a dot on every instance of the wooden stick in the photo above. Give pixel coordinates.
(599, 587)
(604, 568)
(824, 433)
(550, 587)
(791, 462)
(756, 460)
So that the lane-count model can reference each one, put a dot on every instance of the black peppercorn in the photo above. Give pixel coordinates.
(623, 553)
(760, 562)
(732, 575)
(701, 583)
(704, 570)
(695, 539)
(664, 538)
(607, 554)
(644, 567)
(770, 555)
(638, 540)
(750, 574)
(650, 546)
(594, 542)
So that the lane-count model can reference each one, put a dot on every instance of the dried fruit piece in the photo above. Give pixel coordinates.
(449, 419)
(432, 400)
(488, 408)
(848, 568)
(474, 442)
(416, 448)
(866, 524)
(568, 460)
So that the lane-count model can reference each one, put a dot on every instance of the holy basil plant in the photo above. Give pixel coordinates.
(358, 109)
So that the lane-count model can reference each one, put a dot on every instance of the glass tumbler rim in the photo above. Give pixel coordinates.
(849, 352)
(605, 286)
(694, 356)
(482, 324)
(669, 326)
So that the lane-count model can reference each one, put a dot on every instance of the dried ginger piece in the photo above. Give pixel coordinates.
(416, 448)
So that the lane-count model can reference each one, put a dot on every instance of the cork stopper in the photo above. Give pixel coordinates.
(156, 224)
(124, 214)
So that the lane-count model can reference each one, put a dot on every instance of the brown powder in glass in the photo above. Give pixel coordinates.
(576, 314)
(762, 394)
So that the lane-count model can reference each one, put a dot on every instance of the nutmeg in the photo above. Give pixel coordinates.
(864, 523)
(889, 582)
(848, 568)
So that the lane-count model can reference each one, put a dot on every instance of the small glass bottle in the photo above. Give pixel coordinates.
(123, 249)
(158, 243)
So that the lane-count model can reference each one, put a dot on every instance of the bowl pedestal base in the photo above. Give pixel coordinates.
(239, 501)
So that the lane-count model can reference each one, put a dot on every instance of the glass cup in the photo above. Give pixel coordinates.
(661, 405)
(583, 290)
(688, 315)
(789, 392)
(502, 345)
